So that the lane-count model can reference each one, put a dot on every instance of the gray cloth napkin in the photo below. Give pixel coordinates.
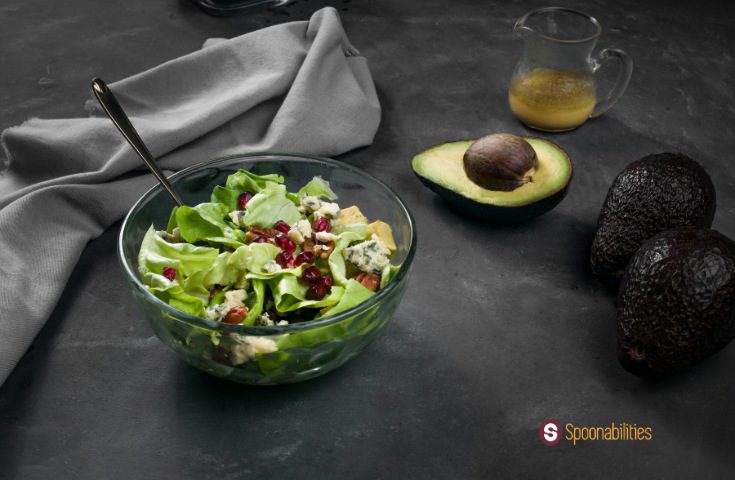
(295, 87)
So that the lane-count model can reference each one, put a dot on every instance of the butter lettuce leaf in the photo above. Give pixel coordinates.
(290, 294)
(244, 181)
(156, 253)
(255, 302)
(174, 294)
(229, 197)
(268, 206)
(198, 269)
(387, 275)
(221, 272)
(361, 229)
(206, 222)
(253, 257)
(318, 187)
(355, 293)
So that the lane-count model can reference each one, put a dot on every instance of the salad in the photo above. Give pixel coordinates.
(257, 254)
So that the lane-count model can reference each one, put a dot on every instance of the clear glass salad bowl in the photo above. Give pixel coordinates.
(305, 350)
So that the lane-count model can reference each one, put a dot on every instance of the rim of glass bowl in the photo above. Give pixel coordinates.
(256, 329)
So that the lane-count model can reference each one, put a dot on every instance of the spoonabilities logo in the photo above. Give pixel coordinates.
(550, 431)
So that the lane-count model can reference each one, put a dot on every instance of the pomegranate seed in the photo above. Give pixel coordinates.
(326, 281)
(259, 239)
(243, 199)
(311, 274)
(305, 257)
(169, 273)
(285, 243)
(321, 224)
(281, 226)
(316, 292)
(284, 259)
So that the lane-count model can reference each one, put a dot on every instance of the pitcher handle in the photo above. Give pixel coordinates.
(621, 83)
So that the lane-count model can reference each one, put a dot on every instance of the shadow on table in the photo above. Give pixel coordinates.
(394, 400)
(31, 386)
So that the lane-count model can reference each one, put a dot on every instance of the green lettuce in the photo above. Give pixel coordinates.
(270, 205)
(254, 256)
(290, 294)
(361, 229)
(174, 295)
(221, 272)
(229, 197)
(156, 253)
(172, 220)
(244, 181)
(206, 222)
(317, 187)
(239, 182)
(354, 294)
(255, 302)
(387, 275)
(198, 269)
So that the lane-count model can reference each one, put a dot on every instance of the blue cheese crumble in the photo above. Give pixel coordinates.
(327, 209)
(369, 256)
(264, 320)
(236, 216)
(247, 347)
(272, 267)
(326, 237)
(310, 203)
(300, 231)
(216, 312)
(235, 298)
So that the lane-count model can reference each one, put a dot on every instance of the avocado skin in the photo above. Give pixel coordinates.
(676, 304)
(653, 194)
(494, 214)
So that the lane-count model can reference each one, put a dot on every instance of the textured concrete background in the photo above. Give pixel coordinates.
(500, 327)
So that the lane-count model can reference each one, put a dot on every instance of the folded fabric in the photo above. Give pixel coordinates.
(296, 87)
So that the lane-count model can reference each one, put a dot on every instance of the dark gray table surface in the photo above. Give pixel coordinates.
(500, 327)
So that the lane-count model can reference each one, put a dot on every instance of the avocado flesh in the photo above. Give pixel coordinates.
(443, 166)
(676, 304)
(653, 194)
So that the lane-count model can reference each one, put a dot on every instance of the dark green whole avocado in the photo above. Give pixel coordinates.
(676, 303)
(656, 193)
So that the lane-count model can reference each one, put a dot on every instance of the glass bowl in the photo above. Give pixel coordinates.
(305, 350)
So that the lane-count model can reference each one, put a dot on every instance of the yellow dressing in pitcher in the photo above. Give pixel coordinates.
(552, 100)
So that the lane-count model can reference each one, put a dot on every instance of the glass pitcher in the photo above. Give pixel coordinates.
(553, 87)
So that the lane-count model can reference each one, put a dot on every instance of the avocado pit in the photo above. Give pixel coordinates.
(500, 162)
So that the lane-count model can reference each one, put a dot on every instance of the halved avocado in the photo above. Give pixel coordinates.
(441, 168)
